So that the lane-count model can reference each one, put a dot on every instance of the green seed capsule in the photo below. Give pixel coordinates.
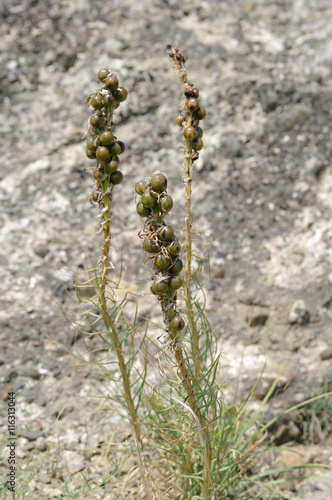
(177, 323)
(197, 144)
(109, 100)
(102, 74)
(176, 267)
(174, 248)
(192, 104)
(102, 153)
(180, 120)
(98, 174)
(111, 167)
(111, 81)
(121, 94)
(140, 187)
(162, 263)
(90, 145)
(117, 177)
(96, 120)
(142, 210)
(166, 233)
(107, 138)
(122, 146)
(90, 154)
(115, 149)
(95, 196)
(159, 287)
(167, 203)
(200, 114)
(148, 199)
(199, 132)
(158, 183)
(190, 133)
(150, 246)
(175, 282)
(97, 101)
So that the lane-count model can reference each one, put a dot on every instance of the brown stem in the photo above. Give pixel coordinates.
(108, 320)
(187, 271)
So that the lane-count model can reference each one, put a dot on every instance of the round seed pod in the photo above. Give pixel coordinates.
(111, 81)
(96, 120)
(107, 138)
(197, 144)
(97, 101)
(193, 104)
(90, 145)
(190, 133)
(166, 233)
(98, 174)
(102, 153)
(200, 113)
(148, 199)
(122, 146)
(90, 154)
(174, 248)
(158, 183)
(142, 210)
(95, 196)
(199, 132)
(115, 149)
(121, 94)
(102, 74)
(166, 203)
(117, 177)
(111, 167)
(159, 287)
(140, 187)
(162, 263)
(176, 267)
(177, 323)
(150, 246)
(109, 100)
(175, 282)
(179, 120)
(196, 92)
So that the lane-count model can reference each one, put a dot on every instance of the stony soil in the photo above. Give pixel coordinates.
(262, 198)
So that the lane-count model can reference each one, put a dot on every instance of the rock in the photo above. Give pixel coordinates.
(326, 354)
(257, 316)
(270, 101)
(41, 444)
(267, 381)
(287, 432)
(44, 477)
(219, 273)
(72, 462)
(41, 248)
(297, 115)
(29, 371)
(32, 435)
(299, 313)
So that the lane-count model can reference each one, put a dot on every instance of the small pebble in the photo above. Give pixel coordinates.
(326, 354)
(299, 313)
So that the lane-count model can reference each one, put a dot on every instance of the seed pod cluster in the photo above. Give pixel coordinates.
(161, 243)
(189, 119)
(102, 145)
